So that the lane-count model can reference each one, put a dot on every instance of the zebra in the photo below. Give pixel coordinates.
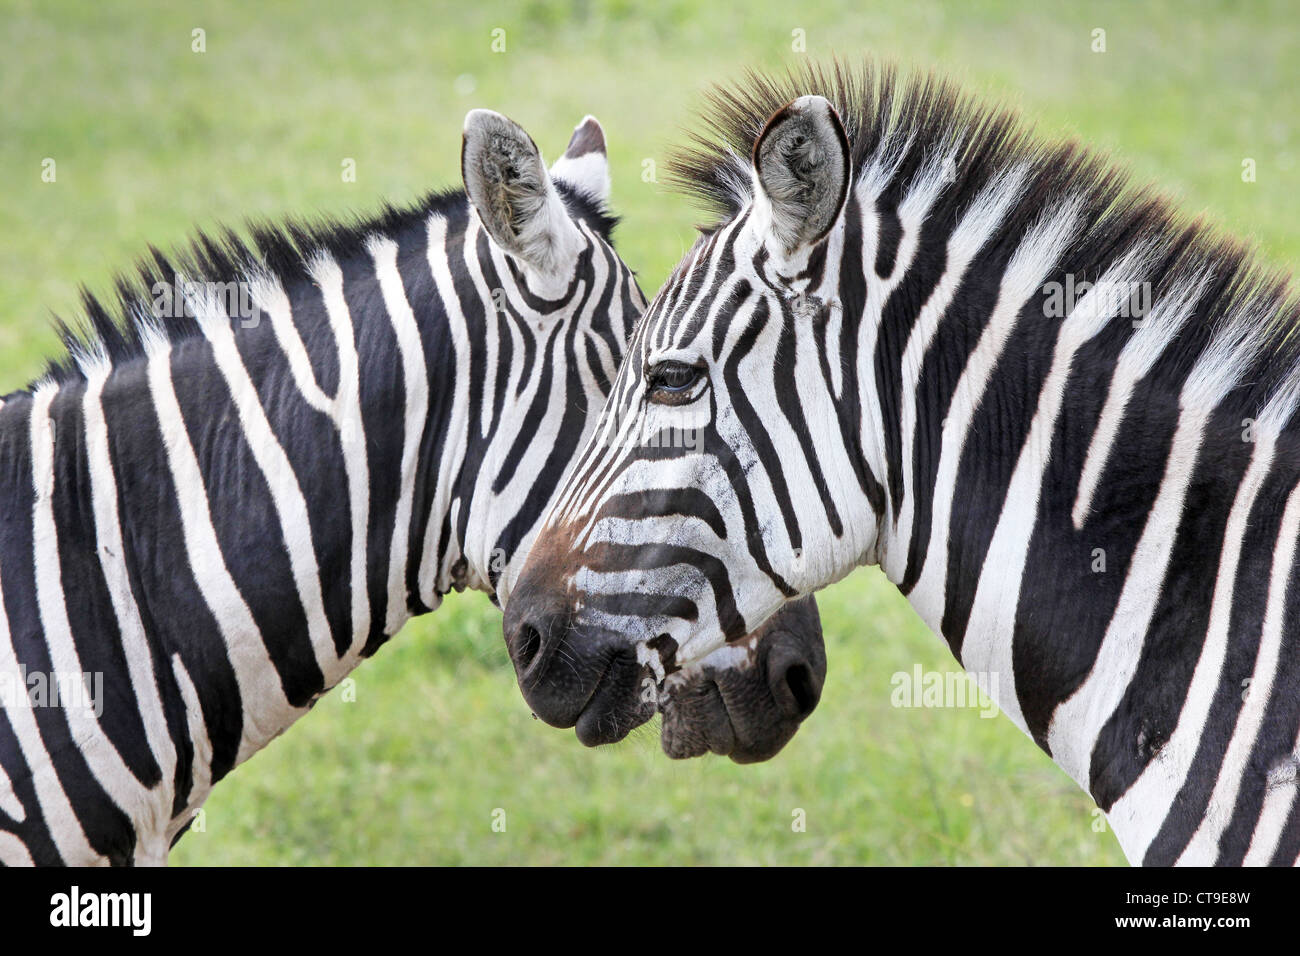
(1058, 414)
(250, 471)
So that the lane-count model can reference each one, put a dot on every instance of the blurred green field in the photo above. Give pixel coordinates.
(151, 139)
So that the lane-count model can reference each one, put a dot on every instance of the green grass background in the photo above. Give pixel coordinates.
(151, 139)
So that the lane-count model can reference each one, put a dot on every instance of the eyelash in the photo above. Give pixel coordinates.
(667, 392)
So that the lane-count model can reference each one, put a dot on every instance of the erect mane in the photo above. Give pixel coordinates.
(116, 329)
(900, 126)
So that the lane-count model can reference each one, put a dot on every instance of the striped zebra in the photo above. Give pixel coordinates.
(1059, 415)
(245, 477)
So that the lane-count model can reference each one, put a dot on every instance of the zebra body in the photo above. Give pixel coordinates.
(1097, 510)
(218, 517)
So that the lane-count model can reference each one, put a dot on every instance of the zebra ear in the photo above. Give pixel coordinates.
(801, 162)
(584, 165)
(508, 185)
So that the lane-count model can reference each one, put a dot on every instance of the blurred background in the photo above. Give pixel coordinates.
(152, 138)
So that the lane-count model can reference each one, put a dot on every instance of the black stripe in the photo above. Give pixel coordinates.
(437, 353)
(311, 443)
(897, 317)
(888, 239)
(170, 605)
(108, 830)
(382, 397)
(663, 503)
(91, 619)
(942, 365)
(1288, 846)
(998, 430)
(787, 397)
(1249, 599)
(245, 520)
(655, 556)
(1176, 636)
(33, 831)
(1274, 745)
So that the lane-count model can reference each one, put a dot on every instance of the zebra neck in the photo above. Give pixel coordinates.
(1086, 510)
(241, 502)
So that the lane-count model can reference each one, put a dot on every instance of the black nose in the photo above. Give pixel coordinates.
(572, 674)
(750, 713)
(526, 647)
(533, 640)
(525, 641)
(794, 679)
(793, 669)
(794, 688)
(795, 658)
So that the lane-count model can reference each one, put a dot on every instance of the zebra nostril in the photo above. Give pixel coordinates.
(798, 678)
(530, 642)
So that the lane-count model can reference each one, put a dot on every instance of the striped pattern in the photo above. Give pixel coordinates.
(219, 518)
(1097, 510)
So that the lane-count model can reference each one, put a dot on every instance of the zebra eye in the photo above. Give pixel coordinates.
(674, 383)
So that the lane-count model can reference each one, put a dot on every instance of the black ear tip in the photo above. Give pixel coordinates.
(588, 137)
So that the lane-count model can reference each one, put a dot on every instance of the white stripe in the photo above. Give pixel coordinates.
(1142, 810)
(1278, 800)
(112, 561)
(10, 805)
(982, 218)
(416, 391)
(200, 743)
(457, 423)
(347, 410)
(13, 852)
(102, 758)
(1037, 254)
(1078, 720)
(1139, 355)
(269, 297)
(64, 826)
(266, 710)
(281, 480)
(1204, 845)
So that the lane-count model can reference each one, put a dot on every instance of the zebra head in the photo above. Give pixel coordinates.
(545, 309)
(746, 705)
(716, 485)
